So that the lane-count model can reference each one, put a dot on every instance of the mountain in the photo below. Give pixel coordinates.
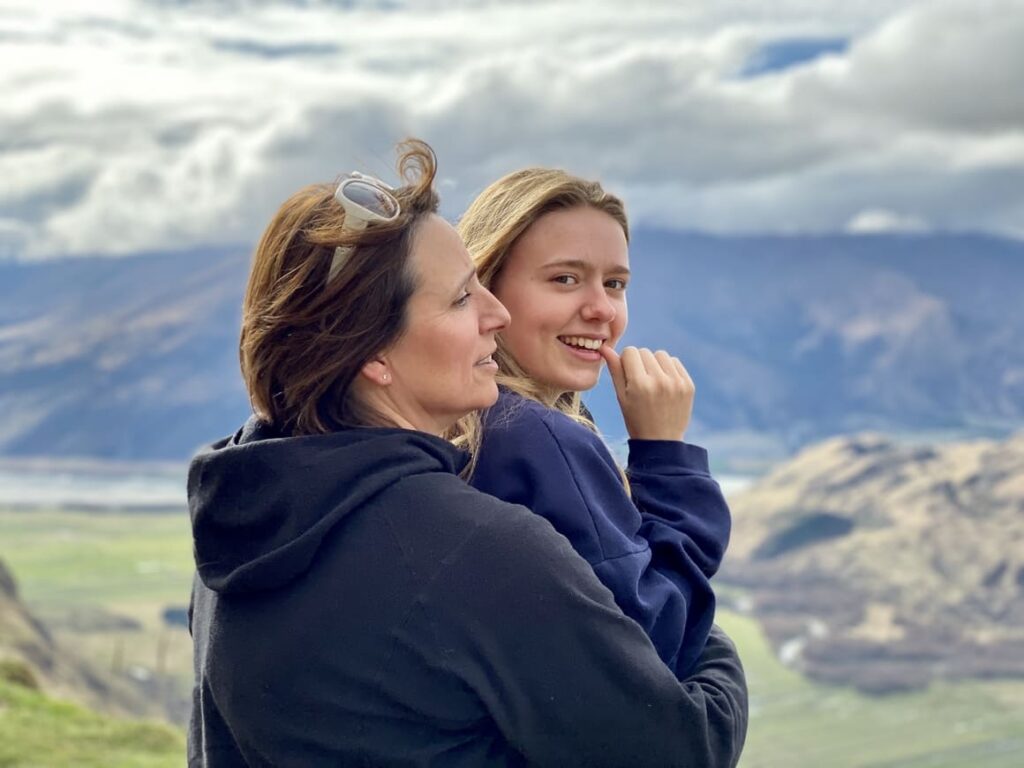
(130, 358)
(789, 339)
(887, 565)
(807, 337)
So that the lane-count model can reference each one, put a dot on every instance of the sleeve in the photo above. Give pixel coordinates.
(686, 521)
(655, 556)
(569, 680)
(674, 490)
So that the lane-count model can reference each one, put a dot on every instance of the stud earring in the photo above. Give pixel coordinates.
(387, 378)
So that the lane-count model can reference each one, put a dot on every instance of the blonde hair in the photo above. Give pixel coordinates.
(490, 228)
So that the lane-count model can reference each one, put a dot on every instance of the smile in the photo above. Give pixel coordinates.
(581, 342)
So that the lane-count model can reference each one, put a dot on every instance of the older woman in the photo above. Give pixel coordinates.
(356, 603)
(554, 249)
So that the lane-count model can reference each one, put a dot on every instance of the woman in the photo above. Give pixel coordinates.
(554, 249)
(356, 603)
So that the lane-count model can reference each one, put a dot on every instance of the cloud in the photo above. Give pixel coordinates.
(150, 125)
(880, 220)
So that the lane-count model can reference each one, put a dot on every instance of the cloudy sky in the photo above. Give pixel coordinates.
(136, 125)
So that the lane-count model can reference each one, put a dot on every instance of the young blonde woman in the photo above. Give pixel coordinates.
(554, 249)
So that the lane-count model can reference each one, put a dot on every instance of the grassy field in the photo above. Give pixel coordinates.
(798, 723)
(77, 571)
(135, 565)
(64, 559)
(38, 731)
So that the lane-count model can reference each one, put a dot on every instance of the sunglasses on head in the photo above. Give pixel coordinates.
(364, 199)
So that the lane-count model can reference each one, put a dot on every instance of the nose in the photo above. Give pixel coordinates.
(598, 307)
(495, 317)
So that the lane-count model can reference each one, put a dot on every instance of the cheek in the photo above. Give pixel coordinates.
(621, 320)
(516, 299)
(532, 329)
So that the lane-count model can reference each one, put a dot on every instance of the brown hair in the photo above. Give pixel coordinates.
(304, 337)
(490, 228)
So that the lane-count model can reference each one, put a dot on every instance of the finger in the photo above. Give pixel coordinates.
(651, 365)
(614, 362)
(681, 369)
(664, 360)
(632, 365)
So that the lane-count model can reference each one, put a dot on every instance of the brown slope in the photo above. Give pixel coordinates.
(887, 565)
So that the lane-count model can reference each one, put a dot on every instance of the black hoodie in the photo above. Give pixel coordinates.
(358, 604)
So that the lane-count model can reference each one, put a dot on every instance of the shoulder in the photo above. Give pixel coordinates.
(448, 505)
(510, 554)
(479, 527)
(537, 456)
(520, 418)
(446, 501)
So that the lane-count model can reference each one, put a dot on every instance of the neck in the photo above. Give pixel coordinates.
(387, 413)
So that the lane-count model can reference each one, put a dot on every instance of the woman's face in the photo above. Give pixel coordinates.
(441, 368)
(564, 283)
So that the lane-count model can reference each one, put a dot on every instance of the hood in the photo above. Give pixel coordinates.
(261, 503)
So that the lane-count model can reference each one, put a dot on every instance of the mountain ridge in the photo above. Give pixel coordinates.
(788, 338)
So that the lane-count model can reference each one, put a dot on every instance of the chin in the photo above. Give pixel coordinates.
(485, 399)
(579, 383)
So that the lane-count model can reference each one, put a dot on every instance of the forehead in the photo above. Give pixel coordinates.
(439, 257)
(577, 234)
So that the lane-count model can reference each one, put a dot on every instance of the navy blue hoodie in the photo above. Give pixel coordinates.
(356, 603)
(655, 551)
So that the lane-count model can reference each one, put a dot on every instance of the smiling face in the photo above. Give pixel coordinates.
(441, 368)
(564, 283)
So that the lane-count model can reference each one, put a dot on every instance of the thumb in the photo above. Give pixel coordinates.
(611, 357)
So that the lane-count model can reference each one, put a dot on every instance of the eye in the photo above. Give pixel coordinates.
(565, 279)
(462, 300)
(616, 284)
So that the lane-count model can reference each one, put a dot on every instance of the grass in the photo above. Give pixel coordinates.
(137, 564)
(795, 722)
(65, 559)
(132, 565)
(39, 731)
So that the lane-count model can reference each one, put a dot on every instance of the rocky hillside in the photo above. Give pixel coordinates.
(28, 651)
(888, 565)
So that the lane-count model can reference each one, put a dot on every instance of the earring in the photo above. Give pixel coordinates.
(386, 377)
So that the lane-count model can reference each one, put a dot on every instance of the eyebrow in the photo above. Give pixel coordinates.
(465, 281)
(583, 265)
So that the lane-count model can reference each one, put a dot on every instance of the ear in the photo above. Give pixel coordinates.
(377, 372)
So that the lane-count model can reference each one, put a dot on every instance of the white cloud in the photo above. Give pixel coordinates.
(880, 220)
(148, 125)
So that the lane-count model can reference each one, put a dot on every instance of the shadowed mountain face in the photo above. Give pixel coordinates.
(809, 337)
(121, 358)
(798, 338)
(885, 565)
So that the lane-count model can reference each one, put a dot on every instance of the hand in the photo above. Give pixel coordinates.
(654, 390)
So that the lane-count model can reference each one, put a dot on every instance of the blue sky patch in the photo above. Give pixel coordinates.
(783, 54)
